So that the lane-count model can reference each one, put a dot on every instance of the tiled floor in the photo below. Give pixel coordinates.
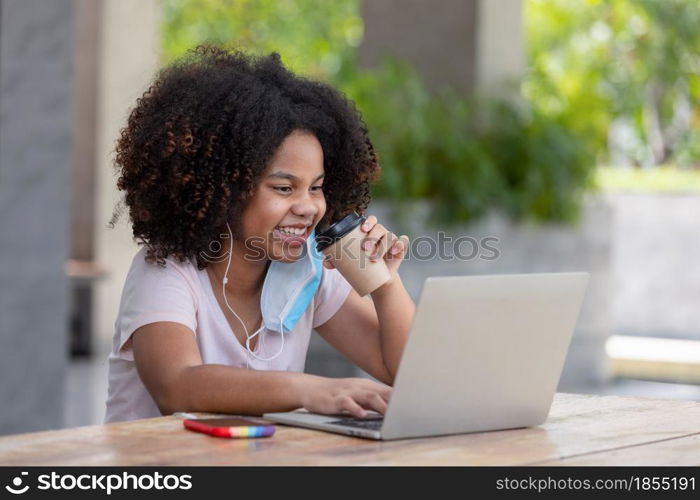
(87, 389)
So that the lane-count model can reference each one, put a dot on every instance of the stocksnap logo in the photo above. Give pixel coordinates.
(17, 483)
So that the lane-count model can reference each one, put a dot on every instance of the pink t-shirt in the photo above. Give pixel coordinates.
(183, 294)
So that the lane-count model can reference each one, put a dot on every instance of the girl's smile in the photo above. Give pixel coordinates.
(292, 235)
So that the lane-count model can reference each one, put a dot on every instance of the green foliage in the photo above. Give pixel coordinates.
(314, 37)
(629, 63)
(468, 155)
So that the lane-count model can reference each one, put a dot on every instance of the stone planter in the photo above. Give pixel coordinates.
(519, 248)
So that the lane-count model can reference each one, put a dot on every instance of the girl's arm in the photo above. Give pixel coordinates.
(169, 363)
(395, 310)
(372, 333)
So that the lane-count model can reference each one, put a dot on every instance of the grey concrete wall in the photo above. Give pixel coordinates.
(36, 65)
(656, 264)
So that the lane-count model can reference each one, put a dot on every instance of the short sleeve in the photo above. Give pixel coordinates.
(330, 296)
(152, 293)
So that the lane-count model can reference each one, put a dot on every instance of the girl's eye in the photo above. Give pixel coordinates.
(287, 189)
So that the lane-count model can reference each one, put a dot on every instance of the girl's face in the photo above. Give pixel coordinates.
(288, 202)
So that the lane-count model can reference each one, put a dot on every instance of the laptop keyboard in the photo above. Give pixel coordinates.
(374, 423)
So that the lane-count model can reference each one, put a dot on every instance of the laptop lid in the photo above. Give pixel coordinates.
(484, 353)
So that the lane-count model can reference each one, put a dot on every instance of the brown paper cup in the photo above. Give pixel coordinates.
(354, 264)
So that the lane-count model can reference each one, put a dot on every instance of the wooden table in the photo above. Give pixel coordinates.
(580, 430)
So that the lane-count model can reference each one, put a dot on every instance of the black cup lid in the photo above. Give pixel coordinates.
(338, 229)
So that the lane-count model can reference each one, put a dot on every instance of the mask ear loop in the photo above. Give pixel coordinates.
(249, 337)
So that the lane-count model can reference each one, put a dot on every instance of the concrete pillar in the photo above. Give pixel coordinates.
(129, 48)
(36, 147)
(469, 45)
(87, 37)
(500, 48)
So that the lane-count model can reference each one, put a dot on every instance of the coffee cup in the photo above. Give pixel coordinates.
(341, 244)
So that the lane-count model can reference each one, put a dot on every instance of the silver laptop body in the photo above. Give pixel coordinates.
(484, 353)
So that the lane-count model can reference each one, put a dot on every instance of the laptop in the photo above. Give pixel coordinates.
(484, 353)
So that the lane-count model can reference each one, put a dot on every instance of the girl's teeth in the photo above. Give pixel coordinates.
(294, 231)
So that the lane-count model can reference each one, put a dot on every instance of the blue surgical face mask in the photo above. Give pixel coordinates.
(287, 292)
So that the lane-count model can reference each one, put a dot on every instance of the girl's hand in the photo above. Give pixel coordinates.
(381, 243)
(345, 395)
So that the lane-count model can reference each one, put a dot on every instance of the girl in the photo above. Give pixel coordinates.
(224, 149)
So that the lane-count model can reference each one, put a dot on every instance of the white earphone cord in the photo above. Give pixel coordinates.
(247, 335)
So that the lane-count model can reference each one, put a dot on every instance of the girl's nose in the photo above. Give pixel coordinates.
(305, 206)
(307, 210)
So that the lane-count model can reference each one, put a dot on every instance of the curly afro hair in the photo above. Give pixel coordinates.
(200, 137)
